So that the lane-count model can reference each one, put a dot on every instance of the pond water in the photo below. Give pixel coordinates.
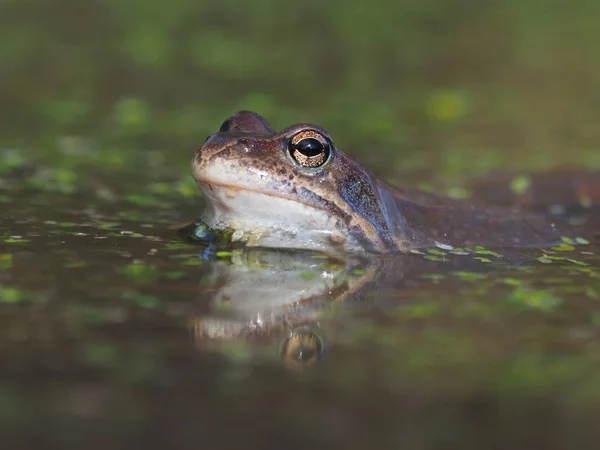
(116, 329)
(117, 332)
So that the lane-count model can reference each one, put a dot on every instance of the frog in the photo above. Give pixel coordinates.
(294, 189)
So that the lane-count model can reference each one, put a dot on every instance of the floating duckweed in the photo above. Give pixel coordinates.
(512, 281)
(140, 273)
(107, 225)
(16, 241)
(142, 200)
(358, 272)
(225, 254)
(6, 261)
(458, 193)
(563, 248)
(446, 106)
(534, 298)
(549, 258)
(10, 295)
(435, 258)
(520, 184)
(187, 188)
(482, 259)
(307, 275)
(567, 240)
(192, 262)
(484, 251)
(131, 112)
(175, 274)
(67, 224)
(469, 276)
(65, 177)
(175, 245)
(423, 310)
(582, 241)
(434, 251)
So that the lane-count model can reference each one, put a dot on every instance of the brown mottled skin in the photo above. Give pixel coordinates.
(376, 217)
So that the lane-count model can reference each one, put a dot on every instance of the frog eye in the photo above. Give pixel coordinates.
(302, 348)
(310, 148)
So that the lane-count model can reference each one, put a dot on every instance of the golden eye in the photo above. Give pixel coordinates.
(302, 348)
(310, 149)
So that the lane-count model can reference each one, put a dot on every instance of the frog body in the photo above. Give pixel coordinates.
(294, 189)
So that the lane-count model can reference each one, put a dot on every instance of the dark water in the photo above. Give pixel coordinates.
(116, 333)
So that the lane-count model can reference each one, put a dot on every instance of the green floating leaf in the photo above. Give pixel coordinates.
(512, 281)
(131, 112)
(482, 259)
(10, 295)
(469, 276)
(563, 248)
(435, 251)
(308, 275)
(6, 261)
(549, 258)
(140, 273)
(192, 262)
(520, 184)
(435, 258)
(423, 310)
(534, 298)
(484, 251)
(142, 200)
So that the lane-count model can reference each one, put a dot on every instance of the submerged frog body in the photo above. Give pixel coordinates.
(294, 189)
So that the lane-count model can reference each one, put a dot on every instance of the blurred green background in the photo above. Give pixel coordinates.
(449, 86)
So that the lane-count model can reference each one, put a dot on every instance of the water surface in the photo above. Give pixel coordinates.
(115, 333)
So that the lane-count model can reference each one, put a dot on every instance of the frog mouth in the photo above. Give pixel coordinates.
(268, 219)
(232, 191)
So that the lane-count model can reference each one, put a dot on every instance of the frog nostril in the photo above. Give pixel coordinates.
(225, 126)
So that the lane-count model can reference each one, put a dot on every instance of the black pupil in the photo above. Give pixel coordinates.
(310, 147)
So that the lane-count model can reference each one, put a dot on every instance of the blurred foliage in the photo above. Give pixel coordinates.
(453, 85)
